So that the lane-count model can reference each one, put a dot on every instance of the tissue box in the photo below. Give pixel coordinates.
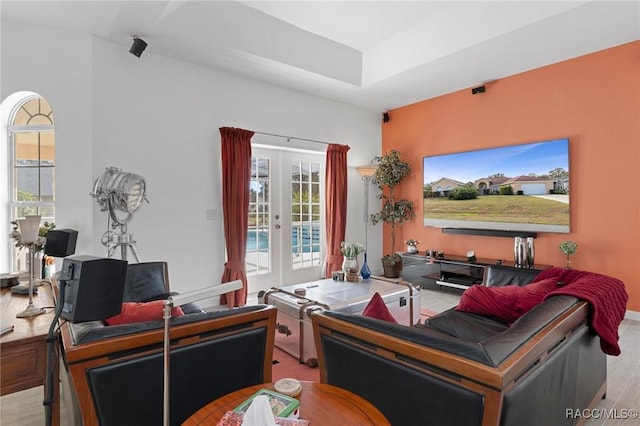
(231, 418)
(281, 405)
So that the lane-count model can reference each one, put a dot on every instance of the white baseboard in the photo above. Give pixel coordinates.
(632, 315)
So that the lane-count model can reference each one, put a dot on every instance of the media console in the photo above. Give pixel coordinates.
(451, 270)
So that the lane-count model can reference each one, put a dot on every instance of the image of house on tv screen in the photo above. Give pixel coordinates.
(522, 187)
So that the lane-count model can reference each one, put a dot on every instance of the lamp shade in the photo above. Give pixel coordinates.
(367, 171)
(29, 227)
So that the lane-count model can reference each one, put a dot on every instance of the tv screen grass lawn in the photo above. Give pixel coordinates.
(499, 208)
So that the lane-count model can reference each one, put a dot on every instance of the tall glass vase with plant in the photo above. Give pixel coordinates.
(395, 212)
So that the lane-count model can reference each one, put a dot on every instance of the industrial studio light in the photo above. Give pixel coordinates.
(120, 191)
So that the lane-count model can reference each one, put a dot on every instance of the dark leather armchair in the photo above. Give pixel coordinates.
(117, 371)
(149, 281)
(146, 281)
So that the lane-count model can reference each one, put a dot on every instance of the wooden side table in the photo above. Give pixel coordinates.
(23, 352)
(320, 403)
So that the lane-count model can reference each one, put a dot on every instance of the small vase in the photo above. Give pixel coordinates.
(350, 267)
(568, 262)
(365, 272)
(412, 249)
(520, 252)
(531, 253)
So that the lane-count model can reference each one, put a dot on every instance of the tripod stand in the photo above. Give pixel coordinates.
(112, 240)
(123, 240)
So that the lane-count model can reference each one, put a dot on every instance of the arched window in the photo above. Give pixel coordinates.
(31, 165)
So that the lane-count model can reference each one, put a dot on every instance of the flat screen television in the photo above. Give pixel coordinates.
(522, 187)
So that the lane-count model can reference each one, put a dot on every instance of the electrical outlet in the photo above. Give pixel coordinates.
(212, 214)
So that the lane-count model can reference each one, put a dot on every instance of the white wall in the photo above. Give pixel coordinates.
(159, 118)
(57, 65)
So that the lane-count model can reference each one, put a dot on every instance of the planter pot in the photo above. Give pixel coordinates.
(392, 271)
(351, 268)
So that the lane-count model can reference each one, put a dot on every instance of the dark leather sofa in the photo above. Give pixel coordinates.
(117, 371)
(466, 369)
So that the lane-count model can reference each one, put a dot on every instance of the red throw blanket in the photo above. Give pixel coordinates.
(606, 295)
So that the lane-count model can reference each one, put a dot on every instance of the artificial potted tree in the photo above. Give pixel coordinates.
(390, 172)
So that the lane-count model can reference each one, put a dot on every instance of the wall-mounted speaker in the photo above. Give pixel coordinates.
(138, 46)
(61, 242)
(479, 89)
(94, 287)
(385, 117)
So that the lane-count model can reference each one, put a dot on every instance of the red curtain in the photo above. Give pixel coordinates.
(336, 205)
(236, 176)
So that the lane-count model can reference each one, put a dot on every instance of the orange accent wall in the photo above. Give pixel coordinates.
(594, 100)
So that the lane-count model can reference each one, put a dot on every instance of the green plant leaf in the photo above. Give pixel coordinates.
(390, 172)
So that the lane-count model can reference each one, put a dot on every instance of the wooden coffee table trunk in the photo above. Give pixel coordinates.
(294, 333)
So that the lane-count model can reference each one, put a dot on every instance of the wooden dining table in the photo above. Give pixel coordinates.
(320, 404)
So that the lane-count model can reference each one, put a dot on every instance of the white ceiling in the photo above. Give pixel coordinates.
(375, 54)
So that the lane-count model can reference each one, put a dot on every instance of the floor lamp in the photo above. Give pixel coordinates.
(122, 194)
(366, 172)
(173, 302)
(29, 229)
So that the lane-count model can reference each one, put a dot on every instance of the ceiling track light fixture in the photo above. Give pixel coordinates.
(138, 46)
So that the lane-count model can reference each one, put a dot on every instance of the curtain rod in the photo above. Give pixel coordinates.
(293, 137)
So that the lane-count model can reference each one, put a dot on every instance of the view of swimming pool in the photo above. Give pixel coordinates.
(258, 239)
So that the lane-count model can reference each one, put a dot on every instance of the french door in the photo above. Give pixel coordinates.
(285, 243)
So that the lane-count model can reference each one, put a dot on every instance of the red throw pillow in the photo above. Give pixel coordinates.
(377, 309)
(509, 302)
(142, 311)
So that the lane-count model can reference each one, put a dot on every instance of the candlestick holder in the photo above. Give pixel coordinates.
(31, 310)
(29, 227)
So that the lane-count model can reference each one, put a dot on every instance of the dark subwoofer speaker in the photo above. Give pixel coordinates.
(61, 242)
(94, 287)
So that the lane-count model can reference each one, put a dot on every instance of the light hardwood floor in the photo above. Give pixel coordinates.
(623, 393)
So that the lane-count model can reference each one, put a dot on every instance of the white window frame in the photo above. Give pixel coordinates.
(13, 205)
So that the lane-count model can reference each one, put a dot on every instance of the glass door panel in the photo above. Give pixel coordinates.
(284, 244)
